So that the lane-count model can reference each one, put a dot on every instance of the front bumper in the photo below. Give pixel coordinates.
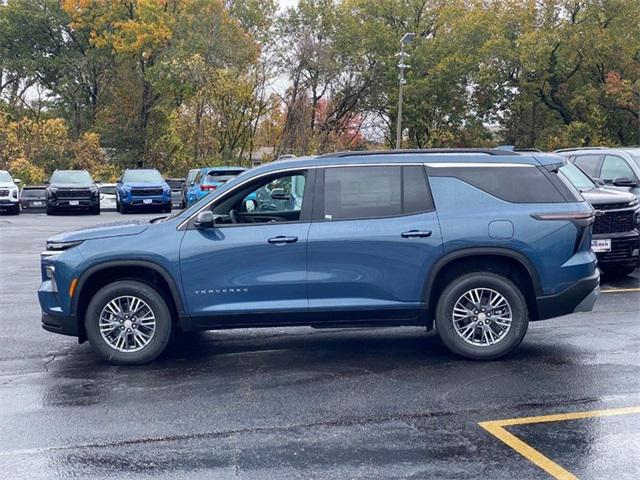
(142, 202)
(8, 203)
(579, 297)
(62, 324)
(73, 204)
(625, 249)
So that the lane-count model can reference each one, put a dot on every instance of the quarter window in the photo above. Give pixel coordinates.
(371, 192)
(615, 167)
(588, 164)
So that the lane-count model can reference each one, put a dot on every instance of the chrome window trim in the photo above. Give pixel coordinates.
(184, 223)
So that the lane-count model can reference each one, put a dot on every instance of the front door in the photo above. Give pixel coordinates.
(374, 239)
(252, 263)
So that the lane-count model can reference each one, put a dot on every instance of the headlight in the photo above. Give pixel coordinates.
(14, 193)
(636, 219)
(51, 192)
(56, 248)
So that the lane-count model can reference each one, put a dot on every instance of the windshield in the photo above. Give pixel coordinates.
(636, 158)
(71, 176)
(142, 176)
(577, 177)
(33, 193)
(4, 176)
(109, 190)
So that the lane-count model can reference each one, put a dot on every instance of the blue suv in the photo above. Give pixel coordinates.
(209, 179)
(141, 189)
(477, 243)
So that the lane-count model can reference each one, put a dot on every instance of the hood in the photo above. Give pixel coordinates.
(600, 196)
(7, 185)
(117, 229)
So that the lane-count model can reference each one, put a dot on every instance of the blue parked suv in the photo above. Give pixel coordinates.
(209, 179)
(476, 242)
(141, 189)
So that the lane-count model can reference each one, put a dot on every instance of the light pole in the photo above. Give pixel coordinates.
(406, 38)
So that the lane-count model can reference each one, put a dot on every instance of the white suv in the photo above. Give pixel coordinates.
(9, 193)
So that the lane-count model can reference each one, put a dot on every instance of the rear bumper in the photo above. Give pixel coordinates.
(579, 297)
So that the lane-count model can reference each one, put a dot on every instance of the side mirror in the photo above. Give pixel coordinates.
(279, 194)
(624, 182)
(17, 181)
(98, 181)
(599, 182)
(46, 182)
(192, 183)
(119, 182)
(204, 220)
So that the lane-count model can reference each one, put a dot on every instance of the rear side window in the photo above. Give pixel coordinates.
(372, 192)
(521, 184)
(588, 164)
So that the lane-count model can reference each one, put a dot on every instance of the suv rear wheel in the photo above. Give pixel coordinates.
(482, 316)
(128, 323)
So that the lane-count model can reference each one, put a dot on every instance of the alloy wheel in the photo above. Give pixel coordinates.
(482, 317)
(127, 323)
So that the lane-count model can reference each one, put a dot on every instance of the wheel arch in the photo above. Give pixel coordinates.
(145, 271)
(510, 263)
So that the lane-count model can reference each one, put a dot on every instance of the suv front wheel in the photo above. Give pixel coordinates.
(482, 316)
(128, 323)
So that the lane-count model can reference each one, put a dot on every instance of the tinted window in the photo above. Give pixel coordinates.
(109, 190)
(198, 177)
(522, 184)
(192, 175)
(370, 192)
(417, 197)
(588, 164)
(362, 192)
(615, 167)
(34, 193)
(224, 173)
(175, 184)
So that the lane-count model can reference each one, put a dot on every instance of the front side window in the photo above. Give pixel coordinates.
(275, 199)
(615, 167)
(588, 164)
(372, 192)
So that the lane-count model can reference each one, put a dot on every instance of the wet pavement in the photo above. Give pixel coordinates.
(305, 403)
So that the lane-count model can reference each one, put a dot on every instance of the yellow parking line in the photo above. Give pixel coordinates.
(496, 428)
(620, 290)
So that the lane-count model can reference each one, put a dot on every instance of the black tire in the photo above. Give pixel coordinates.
(613, 271)
(51, 211)
(16, 210)
(456, 289)
(166, 208)
(163, 319)
(95, 210)
(123, 208)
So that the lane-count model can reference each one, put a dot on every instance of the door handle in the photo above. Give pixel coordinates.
(281, 239)
(416, 234)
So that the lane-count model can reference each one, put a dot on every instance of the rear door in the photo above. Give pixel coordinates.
(374, 238)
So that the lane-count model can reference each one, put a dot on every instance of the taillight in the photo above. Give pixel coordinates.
(579, 218)
(205, 188)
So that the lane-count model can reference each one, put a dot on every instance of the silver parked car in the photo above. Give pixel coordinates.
(107, 196)
(176, 185)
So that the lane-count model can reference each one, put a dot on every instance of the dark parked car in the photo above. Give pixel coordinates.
(615, 240)
(438, 237)
(176, 185)
(34, 198)
(618, 168)
(72, 190)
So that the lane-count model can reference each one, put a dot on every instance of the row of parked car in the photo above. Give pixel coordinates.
(137, 189)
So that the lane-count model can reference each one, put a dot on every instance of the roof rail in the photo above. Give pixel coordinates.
(580, 148)
(485, 151)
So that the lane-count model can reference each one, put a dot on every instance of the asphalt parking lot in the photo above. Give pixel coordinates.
(305, 403)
